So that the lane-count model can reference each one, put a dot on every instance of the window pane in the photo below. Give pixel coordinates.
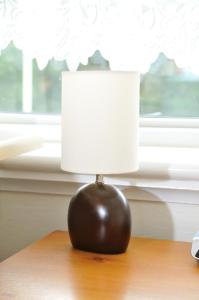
(11, 80)
(47, 82)
(165, 91)
(168, 91)
(47, 87)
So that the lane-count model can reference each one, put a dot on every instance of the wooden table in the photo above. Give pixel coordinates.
(51, 269)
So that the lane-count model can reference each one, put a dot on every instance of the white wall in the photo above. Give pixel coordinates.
(27, 217)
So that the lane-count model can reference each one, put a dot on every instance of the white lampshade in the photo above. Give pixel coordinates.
(100, 113)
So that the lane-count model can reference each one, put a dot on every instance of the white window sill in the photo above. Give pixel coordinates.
(160, 167)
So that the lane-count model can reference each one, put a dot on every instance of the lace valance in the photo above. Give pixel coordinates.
(128, 33)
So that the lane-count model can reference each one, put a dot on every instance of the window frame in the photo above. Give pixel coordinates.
(153, 132)
(176, 132)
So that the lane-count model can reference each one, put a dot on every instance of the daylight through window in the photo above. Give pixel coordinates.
(166, 90)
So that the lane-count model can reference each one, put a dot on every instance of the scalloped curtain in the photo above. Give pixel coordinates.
(128, 33)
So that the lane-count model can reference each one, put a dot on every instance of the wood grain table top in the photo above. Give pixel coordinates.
(51, 269)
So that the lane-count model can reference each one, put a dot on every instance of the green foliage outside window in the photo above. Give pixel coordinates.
(165, 91)
(11, 80)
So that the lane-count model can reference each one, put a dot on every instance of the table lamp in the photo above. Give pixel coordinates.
(100, 113)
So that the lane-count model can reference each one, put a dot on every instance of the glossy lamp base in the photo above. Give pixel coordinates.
(99, 219)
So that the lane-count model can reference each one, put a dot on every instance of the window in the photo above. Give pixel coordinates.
(25, 88)
(11, 80)
(166, 90)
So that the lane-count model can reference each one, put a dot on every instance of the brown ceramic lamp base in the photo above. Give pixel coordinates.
(99, 219)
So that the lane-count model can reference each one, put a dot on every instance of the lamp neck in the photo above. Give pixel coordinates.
(99, 179)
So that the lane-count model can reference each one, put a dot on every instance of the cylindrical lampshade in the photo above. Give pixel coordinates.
(100, 113)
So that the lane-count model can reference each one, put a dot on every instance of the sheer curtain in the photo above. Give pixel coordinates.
(129, 33)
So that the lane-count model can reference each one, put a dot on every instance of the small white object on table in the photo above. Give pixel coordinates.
(14, 143)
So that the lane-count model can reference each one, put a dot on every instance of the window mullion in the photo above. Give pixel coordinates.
(27, 83)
